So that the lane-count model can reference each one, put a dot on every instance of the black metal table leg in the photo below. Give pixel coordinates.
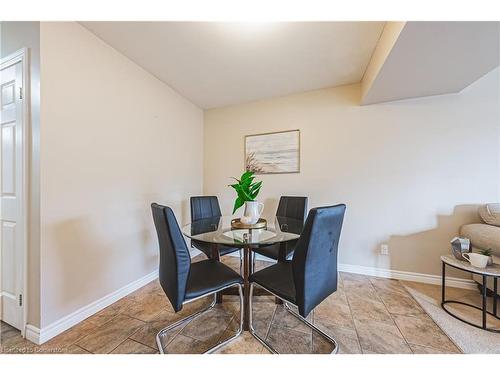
(495, 295)
(443, 275)
(484, 301)
(483, 307)
(246, 285)
(216, 256)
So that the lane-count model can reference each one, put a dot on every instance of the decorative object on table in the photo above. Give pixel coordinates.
(487, 253)
(238, 224)
(476, 260)
(459, 246)
(247, 191)
(270, 153)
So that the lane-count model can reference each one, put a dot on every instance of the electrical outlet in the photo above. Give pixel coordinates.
(384, 249)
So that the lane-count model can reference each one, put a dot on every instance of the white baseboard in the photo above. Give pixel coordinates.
(32, 334)
(39, 336)
(387, 273)
(408, 276)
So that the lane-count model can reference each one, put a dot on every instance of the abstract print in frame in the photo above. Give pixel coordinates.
(271, 153)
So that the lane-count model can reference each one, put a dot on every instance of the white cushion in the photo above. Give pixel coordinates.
(490, 213)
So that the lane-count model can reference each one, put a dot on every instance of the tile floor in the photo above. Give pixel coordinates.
(366, 315)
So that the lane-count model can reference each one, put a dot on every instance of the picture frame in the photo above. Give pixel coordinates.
(273, 153)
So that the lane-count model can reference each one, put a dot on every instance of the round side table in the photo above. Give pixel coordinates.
(492, 271)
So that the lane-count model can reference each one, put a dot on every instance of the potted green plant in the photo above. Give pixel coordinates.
(247, 191)
(487, 252)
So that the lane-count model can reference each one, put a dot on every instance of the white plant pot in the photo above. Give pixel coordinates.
(252, 213)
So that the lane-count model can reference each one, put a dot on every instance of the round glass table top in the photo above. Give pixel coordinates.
(217, 230)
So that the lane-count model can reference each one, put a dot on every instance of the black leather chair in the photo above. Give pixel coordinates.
(183, 281)
(289, 208)
(311, 276)
(203, 208)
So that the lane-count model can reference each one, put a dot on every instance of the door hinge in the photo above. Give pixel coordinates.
(20, 300)
(20, 92)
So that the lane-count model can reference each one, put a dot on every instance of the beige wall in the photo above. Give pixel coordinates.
(113, 140)
(410, 172)
(14, 36)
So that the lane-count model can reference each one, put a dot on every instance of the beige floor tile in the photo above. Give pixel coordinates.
(388, 285)
(363, 289)
(287, 341)
(147, 334)
(419, 349)
(398, 303)
(133, 347)
(368, 310)
(338, 314)
(75, 349)
(345, 276)
(186, 345)
(382, 338)
(346, 338)
(321, 345)
(148, 306)
(283, 318)
(131, 324)
(228, 307)
(337, 297)
(262, 316)
(69, 337)
(192, 307)
(7, 332)
(110, 335)
(110, 312)
(421, 330)
(243, 344)
(208, 327)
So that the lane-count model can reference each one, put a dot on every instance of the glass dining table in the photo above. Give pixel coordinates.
(217, 231)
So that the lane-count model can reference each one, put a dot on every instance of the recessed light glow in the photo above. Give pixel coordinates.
(248, 27)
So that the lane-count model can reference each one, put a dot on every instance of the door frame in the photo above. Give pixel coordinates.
(22, 56)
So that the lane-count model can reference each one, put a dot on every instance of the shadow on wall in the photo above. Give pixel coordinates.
(420, 252)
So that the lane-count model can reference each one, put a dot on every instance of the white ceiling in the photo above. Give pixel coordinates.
(218, 64)
(433, 58)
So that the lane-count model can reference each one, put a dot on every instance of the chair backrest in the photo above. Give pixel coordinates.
(292, 207)
(315, 260)
(204, 207)
(175, 261)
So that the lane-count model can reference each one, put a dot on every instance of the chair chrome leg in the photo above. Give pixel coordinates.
(298, 316)
(252, 330)
(197, 313)
(312, 326)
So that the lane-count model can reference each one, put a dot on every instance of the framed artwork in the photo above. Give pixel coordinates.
(272, 153)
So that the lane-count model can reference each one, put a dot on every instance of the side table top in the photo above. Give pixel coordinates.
(493, 270)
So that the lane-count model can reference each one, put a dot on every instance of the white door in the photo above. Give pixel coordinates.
(12, 236)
